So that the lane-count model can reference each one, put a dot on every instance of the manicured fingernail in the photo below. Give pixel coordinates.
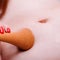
(1, 30)
(7, 30)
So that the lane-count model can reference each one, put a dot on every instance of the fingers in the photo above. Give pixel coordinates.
(4, 29)
(1, 30)
(7, 30)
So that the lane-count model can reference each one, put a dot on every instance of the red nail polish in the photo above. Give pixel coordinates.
(7, 30)
(1, 30)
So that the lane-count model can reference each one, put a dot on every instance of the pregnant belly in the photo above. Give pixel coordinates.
(47, 42)
(47, 36)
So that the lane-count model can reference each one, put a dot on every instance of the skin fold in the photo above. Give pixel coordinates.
(27, 14)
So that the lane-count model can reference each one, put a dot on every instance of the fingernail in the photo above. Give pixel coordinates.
(1, 30)
(7, 30)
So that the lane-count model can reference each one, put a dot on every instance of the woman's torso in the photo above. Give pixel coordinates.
(26, 14)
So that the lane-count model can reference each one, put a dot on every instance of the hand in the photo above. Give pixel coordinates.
(4, 29)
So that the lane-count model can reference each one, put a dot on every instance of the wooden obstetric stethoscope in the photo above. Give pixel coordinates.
(23, 39)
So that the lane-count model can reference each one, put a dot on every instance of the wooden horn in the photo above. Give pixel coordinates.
(23, 39)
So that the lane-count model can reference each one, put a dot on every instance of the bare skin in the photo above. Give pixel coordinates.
(26, 14)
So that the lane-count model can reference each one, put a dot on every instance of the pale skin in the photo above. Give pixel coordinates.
(47, 35)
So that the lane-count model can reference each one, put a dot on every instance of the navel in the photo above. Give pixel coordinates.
(44, 20)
